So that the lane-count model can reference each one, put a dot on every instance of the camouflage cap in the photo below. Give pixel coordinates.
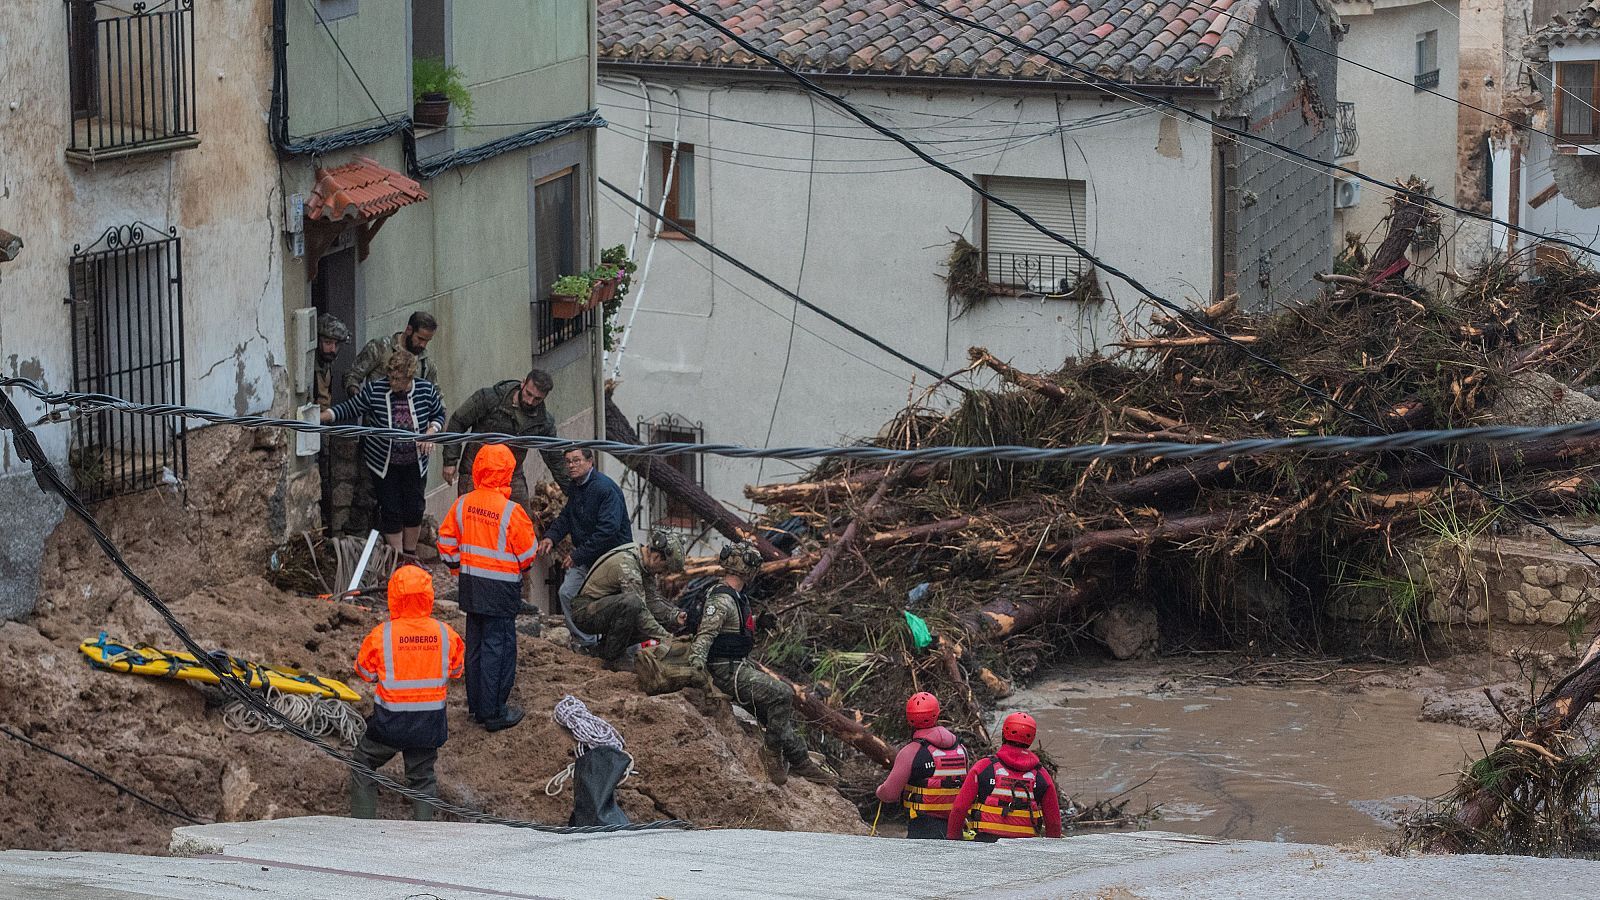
(741, 559)
(669, 545)
(329, 326)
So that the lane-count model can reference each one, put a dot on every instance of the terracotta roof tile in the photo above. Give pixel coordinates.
(360, 191)
(1149, 41)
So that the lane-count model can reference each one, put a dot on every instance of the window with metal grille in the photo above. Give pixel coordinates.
(1577, 97)
(1427, 71)
(131, 77)
(556, 224)
(1015, 254)
(127, 340)
(665, 509)
(676, 178)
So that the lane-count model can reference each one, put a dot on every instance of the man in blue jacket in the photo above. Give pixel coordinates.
(595, 517)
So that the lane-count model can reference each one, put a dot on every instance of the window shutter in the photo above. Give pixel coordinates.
(1013, 246)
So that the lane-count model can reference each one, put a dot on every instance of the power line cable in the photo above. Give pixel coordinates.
(682, 251)
(1180, 312)
(24, 739)
(726, 257)
(1120, 89)
(28, 449)
(1387, 442)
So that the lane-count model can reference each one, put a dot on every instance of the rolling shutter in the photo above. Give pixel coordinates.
(1020, 256)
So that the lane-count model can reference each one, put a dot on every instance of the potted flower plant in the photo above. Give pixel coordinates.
(569, 295)
(617, 259)
(434, 88)
(604, 279)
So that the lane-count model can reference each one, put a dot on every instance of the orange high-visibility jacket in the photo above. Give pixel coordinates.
(410, 659)
(487, 539)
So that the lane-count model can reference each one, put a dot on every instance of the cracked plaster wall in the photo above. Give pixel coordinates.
(221, 196)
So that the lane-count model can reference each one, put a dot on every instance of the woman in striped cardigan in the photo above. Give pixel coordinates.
(399, 469)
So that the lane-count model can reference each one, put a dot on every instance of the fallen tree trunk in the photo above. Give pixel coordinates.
(1552, 716)
(1036, 383)
(1007, 514)
(1005, 616)
(681, 486)
(849, 726)
(806, 493)
(1172, 484)
(1524, 456)
(1193, 340)
(1174, 530)
(846, 540)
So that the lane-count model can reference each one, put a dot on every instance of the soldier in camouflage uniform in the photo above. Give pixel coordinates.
(331, 334)
(510, 407)
(721, 648)
(373, 360)
(619, 602)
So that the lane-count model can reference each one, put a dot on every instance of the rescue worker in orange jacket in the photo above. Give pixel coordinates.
(411, 659)
(487, 541)
(1009, 794)
(927, 772)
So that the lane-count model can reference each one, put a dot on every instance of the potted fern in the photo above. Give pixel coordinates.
(434, 88)
(569, 295)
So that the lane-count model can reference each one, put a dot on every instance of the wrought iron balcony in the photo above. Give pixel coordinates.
(1346, 139)
(131, 77)
(1035, 272)
(1426, 81)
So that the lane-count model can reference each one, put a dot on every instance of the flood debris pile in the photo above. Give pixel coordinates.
(1011, 563)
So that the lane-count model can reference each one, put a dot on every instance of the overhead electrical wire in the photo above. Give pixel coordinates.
(30, 742)
(683, 252)
(1387, 442)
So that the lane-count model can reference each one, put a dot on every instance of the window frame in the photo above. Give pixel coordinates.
(1559, 113)
(1426, 75)
(1071, 265)
(673, 198)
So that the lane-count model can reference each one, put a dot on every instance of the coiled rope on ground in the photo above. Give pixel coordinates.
(321, 716)
(589, 731)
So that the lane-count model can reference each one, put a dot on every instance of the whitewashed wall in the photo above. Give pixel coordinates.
(866, 237)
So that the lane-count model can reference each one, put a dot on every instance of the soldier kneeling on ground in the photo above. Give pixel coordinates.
(722, 644)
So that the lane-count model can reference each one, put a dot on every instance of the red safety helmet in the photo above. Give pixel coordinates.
(922, 710)
(1019, 728)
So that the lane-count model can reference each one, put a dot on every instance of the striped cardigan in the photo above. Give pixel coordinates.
(371, 407)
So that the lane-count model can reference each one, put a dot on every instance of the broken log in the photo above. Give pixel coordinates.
(1405, 217)
(658, 473)
(1173, 483)
(1546, 721)
(1173, 530)
(1523, 456)
(848, 538)
(805, 493)
(1036, 383)
(1193, 340)
(1010, 513)
(1005, 616)
(1211, 314)
(849, 726)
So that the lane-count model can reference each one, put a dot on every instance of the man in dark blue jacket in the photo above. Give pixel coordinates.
(595, 517)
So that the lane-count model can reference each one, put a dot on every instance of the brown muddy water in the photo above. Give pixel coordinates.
(1250, 762)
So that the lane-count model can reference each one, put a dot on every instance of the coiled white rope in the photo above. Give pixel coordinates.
(589, 731)
(318, 715)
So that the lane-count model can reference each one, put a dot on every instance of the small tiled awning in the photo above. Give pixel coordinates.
(361, 193)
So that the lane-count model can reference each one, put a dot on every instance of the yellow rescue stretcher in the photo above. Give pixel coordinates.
(108, 654)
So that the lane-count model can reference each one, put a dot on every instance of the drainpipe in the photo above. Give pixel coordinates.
(1514, 187)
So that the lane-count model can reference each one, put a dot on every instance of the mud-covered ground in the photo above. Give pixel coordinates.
(205, 555)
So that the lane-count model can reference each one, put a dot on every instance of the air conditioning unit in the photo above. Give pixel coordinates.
(1346, 193)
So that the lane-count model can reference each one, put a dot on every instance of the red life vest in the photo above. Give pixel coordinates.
(1006, 805)
(936, 777)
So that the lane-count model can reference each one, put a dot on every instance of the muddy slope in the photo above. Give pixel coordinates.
(695, 760)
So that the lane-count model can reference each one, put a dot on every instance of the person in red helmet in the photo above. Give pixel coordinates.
(1009, 794)
(927, 771)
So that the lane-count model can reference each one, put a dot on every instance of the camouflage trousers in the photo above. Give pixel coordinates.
(620, 622)
(767, 698)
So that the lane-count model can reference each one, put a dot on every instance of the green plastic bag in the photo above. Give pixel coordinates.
(920, 635)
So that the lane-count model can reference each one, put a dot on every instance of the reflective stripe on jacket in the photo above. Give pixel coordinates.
(488, 539)
(935, 780)
(1009, 808)
(409, 659)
